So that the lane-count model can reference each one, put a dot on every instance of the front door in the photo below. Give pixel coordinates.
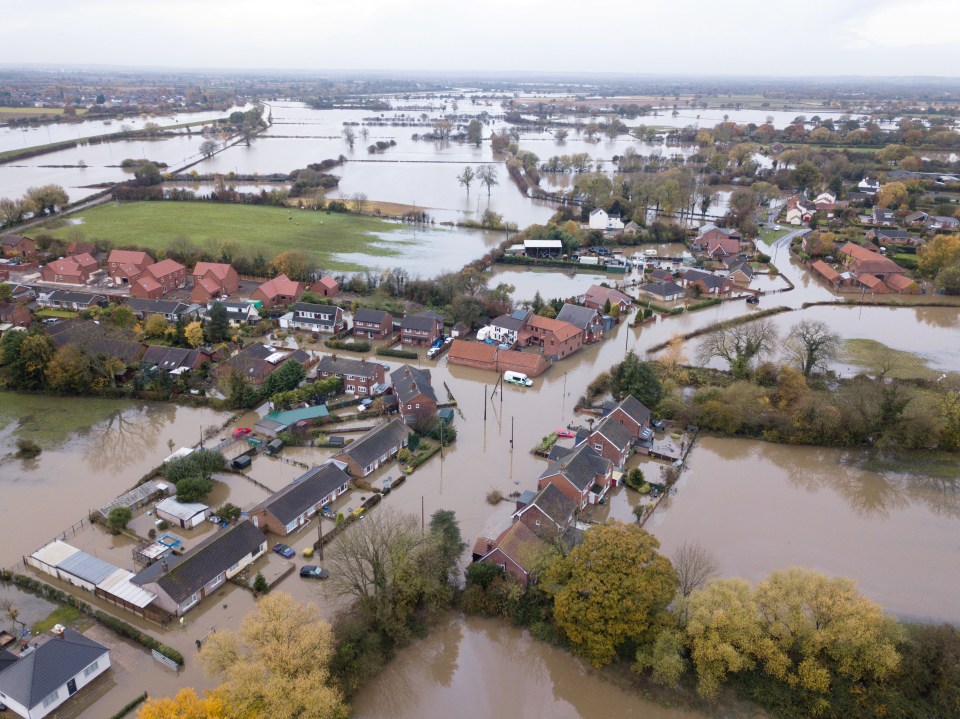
(72, 687)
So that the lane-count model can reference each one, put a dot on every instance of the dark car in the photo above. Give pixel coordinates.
(753, 300)
(312, 571)
(283, 550)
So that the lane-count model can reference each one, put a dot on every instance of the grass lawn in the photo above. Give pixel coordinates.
(769, 236)
(270, 230)
(870, 353)
(50, 312)
(50, 420)
(66, 615)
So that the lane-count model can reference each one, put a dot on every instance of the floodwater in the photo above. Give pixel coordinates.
(761, 507)
(486, 668)
(550, 284)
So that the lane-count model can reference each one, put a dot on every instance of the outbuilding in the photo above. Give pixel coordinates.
(182, 514)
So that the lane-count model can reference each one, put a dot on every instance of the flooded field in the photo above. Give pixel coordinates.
(761, 507)
(527, 282)
(486, 668)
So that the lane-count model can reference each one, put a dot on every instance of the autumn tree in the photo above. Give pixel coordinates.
(47, 198)
(611, 589)
(156, 326)
(892, 194)
(186, 705)
(193, 333)
(294, 264)
(810, 345)
(123, 317)
(673, 356)
(941, 251)
(277, 663)
(738, 344)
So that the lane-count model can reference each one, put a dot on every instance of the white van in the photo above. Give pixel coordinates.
(518, 378)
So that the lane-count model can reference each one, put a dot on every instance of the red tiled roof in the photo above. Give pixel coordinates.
(900, 282)
(471, 351)
(164, 267)
(599, 295)
(132, 257)
(870, 281)
(280, 285)
(562, 330)
(822, 268)
(329, 282)
(522, 546)
(219, 269)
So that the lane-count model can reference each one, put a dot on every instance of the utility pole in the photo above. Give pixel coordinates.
(484, 403)
(422, 521)
(320, 535)
(511, 433)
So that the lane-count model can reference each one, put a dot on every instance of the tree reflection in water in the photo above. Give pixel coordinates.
(126, 436)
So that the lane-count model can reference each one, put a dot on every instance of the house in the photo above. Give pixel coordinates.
(174, 360)
(13, 314)
(170, 309)
(827, 273)
(80, 248)
(213, 280)
(239, 313)
(506, 329)
(558, 339)
(631, 228)
(542, 248)
(585, 319)
(709, 283)
(48, 673)
(794, 216)
(631, 414)
(916, 219)
(421, 330)
(359, 376)
(182, 514)
(461, 329)
(124, 266)
(596, 298)
(720, 247)
(663, 291)
(281, 420)
(658, 275)
(861, 260)
(581, 474)
(318, 319)
(868, 186)
(373, 324)
(740, 272)
(376, 447)
(882, 216)
(941, 222)
(549, 513)
(901, 284)
(490, 357)
(73, 269)
(826, 197)
(776, 148)
(158, 279)
(518, 551)
(22, 294)
(710, 231)
(284, 512)
(325, 287)
(67, 300)
(22, 248)
(281, 290)
(181, 582)
(415, 394)
(892, 237)
(257, 361)
(600, 220)
(97, 340)
(612, 441)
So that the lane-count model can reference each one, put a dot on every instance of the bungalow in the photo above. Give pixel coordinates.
(183, 514)
(826, 197)
(281, 290)
(415, 393)
(612, 441)
(376, 447)
(901, 284)
(47, 674)
(585, 319)
(506, 329)
(20, 247)
(174, 360)
(325, 287)
(861, 260)
(373, 324)
(73, 269)
(916, 219)
(868, 186)
(421, 330)
(558, 339)
(892, 237)
(159, 279)
(124, 266)
(659, 275)
(740, 272)
(318, 319)
(66, 300)
(239, 313)
(663, 291)
(256, 362)
(882, 216)
(600, 220)
(581, 474)
(292, 507)
(170, 309)
(97, 340)
(720, 247)
(632, 415)
(359, 376)
(872, 283)
(14, 314)
(709, 284)
(212, 280)
(596, 297)
(518, 551)
(631, 228)
(182, 582)
(941, 222)
(491, 357)
(549, 513)
(827, 273)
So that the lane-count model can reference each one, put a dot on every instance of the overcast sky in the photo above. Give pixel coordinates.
(815, 37)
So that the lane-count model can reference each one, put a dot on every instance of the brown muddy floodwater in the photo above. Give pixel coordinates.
(761, 507)
(479, 668)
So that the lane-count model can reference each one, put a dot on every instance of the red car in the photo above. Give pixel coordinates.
(566, 433)
(242, 431)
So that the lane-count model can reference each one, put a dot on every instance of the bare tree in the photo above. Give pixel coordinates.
(466, 177)
(207, 148)
(694, 565)
(360, 201)
(349, 136)
(810, 345)
(739, 344)
(442, 129)
(487, 174)
(561, 134)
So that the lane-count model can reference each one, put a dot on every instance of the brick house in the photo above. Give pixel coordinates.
(359, 376)
(580, 473)
(548, 514)
(491, 357)
(124, 266)
(15, 314)
(78, 248)
(583, 318)
(709, 283)
(373, 324)
(73, 269)
(375, 448)
(632, 415)
(284, 512)
(414, 392)
(212, 280)
(421, 330)
(325, 287)
(318, 319)
(517, 551)
(861, 261)
(281, 290)
(19, 246)
(596, 298)
(506, 328)
(159, 279)
(558, 339)
(256, 362)
(171, 310)
(612, 441)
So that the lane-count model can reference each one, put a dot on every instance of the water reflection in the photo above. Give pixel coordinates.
(126, 436)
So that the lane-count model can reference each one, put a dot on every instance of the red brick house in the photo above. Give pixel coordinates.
(124, 266)
(548, 514)
(862, 261)
(284, 512)
(490, 357)
(517, 551)
(632, 415)
(375, 448)
(580, 473)
(14, 313)
(159, 279)
(421, 330)
(281, 290)
(612, 441)
(19, 246)
(325, 287)
(212, 280)
(719, 247)
(74, 270)
(373, 324)
(256, 362)
(415, 394)
(709, 283)
(584, 318)
(79, 248)
(596, 298)
(359, 376)
(558, 339)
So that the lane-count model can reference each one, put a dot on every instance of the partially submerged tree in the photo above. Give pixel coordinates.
(738, 345)
(810, 345)
(694, 565)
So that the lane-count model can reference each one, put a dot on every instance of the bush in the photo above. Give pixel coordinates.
(130, 707)
(27, 448)
(402, 354)
(118, 518)
(635, 479)
(356, 346)
(494, 496)
(164, 525)
(193, 489)
(260, 583)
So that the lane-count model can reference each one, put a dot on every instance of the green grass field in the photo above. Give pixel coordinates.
(270, 230)
(905, 365)
(50, 420)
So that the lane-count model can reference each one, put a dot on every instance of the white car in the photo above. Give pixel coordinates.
(777, 228)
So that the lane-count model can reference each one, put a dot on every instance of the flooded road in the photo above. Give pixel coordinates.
(486, 668)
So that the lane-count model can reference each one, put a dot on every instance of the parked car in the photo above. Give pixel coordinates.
(777, 228)
(753, 300)
(433, 352)
(283, 550)
(565, 433)
(312, 571)
(242, 431)
(437, 343)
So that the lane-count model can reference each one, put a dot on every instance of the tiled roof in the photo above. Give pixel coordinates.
(581, 467)
(662, 289)
(825, 270)
(578, 316)
(409, 382)
(616, 433)
(553, 503)
(372, 316)
(635, 409)
(335, 364)
(423, 321)
(562, 330)
(220, 270)
(164, 267)
(304, 492)
(377, 442)
(131, 257)
(599, 295)
(280, 285)
(522, 546)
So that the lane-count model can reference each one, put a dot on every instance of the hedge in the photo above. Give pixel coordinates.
(130, 707)
(361, 346)
(403, 354)
(706, 303)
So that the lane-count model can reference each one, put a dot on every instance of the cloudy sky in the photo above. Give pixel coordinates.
(663, 37)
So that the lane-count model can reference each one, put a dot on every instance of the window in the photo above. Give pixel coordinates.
(503, 567)
(257, 550)
(409, 406)
(418, 405)
(597, 446)
(538, 522)
(51, 698)
(91, 669)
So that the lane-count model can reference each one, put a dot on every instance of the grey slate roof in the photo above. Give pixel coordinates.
(372, 316)
(165, 307)
(84, 299)
(581, 466)
(422, 321)
(635, 409)
(408, 382)
(616, 433)
(555, 504)
(170, 358)
(662, 289)
(8, 658)
(333, 313)
(513, 321)
(49, 667)
(377, 442)
(576, 315)
(187, 573)
(709, 279)
(345, 365)
(743, 266)
(304, 492)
